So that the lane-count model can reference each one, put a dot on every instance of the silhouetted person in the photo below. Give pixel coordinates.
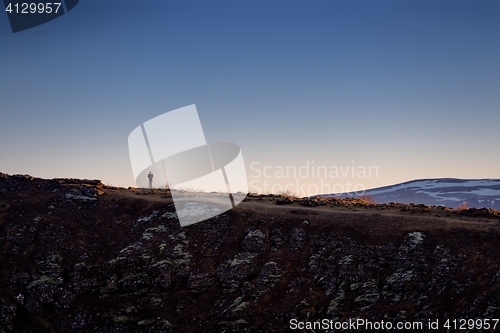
(150, 176)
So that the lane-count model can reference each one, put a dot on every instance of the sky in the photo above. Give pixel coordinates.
(405, 89)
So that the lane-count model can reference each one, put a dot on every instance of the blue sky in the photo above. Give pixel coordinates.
(411, 87)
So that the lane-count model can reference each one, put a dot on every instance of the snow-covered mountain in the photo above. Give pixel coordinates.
(450, 192)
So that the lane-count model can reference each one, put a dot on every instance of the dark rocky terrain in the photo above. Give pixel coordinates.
(79, 256)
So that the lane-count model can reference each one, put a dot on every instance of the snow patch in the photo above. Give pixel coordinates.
(435, 184)
(486, 191)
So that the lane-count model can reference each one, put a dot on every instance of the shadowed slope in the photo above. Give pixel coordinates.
(78, 256)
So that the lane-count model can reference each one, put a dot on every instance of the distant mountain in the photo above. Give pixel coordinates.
(450, 192)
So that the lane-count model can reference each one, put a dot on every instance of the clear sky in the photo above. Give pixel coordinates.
(410, 87)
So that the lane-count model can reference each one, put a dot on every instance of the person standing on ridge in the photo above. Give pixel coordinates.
(150, 176)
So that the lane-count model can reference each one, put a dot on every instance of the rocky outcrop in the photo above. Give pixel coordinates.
(80, 257)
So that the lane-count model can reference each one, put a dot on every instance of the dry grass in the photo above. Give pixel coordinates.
(369, 199)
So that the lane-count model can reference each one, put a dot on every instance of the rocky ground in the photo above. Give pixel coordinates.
(79, 256)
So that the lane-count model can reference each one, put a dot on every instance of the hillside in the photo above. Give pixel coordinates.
(449, 192)
(79, 256)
